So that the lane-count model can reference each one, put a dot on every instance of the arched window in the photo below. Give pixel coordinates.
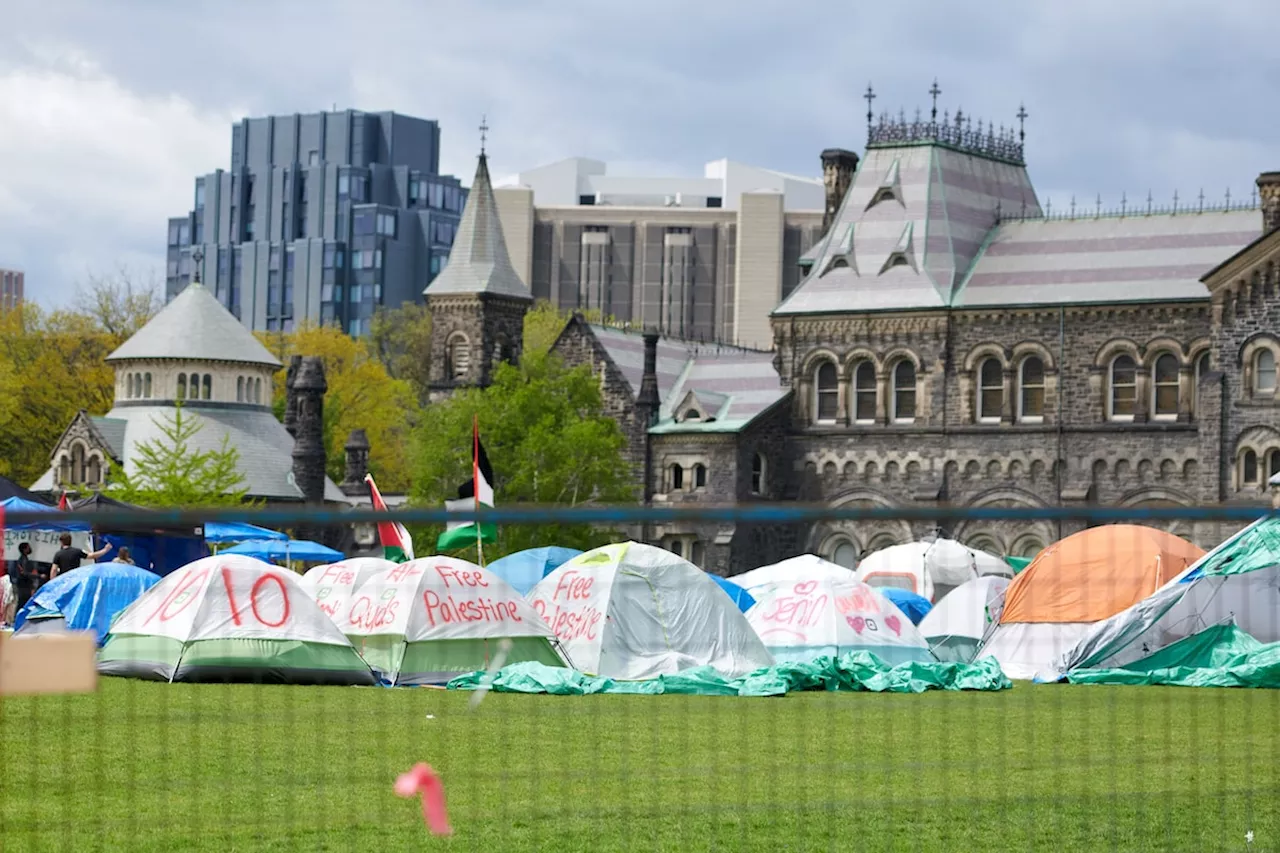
(1124, 388)
(1273, 463)
(1164, 386)
(77, 464)
(990, 390)
(1248, 468)
(458, 357)
(182, 386)
(676, 546)
(1031, 390)
(146, 386)
(696, 553)
(826, 384)
(93, 474)
(1264, 372)
(677, 478)
(1202, 367)
(128, 386)
(257, 390)
(864, 393)
(206, 392)
(239, 389)
(757, 474)
(137, 385)
(1027, 547)
(64, 470)
(984, 543)
(845, 554)
(904, 393)
(699, 476)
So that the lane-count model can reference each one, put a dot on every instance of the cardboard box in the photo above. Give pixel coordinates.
(48, 663)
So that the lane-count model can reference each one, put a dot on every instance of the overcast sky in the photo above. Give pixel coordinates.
(108, 110)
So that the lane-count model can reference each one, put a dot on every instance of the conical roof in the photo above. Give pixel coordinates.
(195, 326)
(478, 261)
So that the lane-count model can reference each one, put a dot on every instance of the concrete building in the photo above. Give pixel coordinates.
(11, 289)
(324, 217)
(698, 258)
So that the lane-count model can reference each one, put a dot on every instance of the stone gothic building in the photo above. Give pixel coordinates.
(951, 343)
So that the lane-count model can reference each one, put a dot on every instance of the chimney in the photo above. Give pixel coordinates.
(1269, 199)
(838, 166)
(357, 451)
(309, 387)
(290, 399)
(647, 401)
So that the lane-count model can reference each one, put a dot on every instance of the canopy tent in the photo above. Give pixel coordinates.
(833, 617)
(1236, 583)
(230, 618)
(10, 489)
(238, 531)
(86, 599)
(301, 550)
(931, 569)
(431, 619)
(158, 547)
(806, 567)
(524, 569)
(54, 518)
(954, 628)
(1073, 584)
(914, 607)
(635, 611)
(740, 596)
(333, 585)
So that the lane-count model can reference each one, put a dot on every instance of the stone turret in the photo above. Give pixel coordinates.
(357, 458)
(309, 387)
(838, 168)
(290, 399)
(1269, 198)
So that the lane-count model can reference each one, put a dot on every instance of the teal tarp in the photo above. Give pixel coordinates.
(1221, 656)
(855, 671)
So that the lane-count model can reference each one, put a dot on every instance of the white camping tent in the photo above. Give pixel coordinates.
(834, 616)
(332, 585)
(789, 572)
(636, 611)
(931, 569)
(955, 626)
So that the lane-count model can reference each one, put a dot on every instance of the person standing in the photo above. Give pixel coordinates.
(23, 576)
(123, 556)
(69, 558)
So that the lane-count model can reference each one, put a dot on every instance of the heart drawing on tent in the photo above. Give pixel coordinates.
(857, 623)
(894, 623)
(806, 587)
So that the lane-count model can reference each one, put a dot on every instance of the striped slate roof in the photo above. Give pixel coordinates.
(732, 385)
(1105, 259)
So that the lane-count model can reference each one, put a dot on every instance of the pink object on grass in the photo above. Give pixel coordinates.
(423, 780)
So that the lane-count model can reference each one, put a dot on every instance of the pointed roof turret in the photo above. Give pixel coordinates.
(195, 327)
(478, 261)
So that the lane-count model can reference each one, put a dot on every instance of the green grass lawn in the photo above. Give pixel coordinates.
(155, 767)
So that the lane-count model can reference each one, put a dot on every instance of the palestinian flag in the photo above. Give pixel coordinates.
(397, 545)
(472, 494)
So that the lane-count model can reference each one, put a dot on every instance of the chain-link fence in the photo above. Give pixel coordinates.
(868, 726)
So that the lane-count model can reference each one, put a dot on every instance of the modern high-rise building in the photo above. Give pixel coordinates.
(11, 289)
(697, 258)
(322, 217)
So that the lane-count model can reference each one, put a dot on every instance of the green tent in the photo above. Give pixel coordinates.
(1219, 656)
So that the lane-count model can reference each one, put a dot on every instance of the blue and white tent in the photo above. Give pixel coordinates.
(84, 599)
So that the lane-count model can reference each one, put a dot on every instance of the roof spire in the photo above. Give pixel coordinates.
(869, 96)
(484, 133)
(934, 91)
(1022, 116)
(197, 257)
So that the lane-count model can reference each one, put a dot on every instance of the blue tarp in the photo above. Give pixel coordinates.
(16, 504)
(740, 596)
(914, 607)
(236, 531)
(160, 553)
(292, 549)
(524, 569)
(89, 597)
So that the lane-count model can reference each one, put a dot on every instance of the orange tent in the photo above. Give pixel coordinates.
(1096, 573)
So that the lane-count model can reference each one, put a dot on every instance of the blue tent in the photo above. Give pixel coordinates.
(84, 599)
(914, 607)
(524, 569)
(290, 549)
(236, 531)
(17, 504)
(740, 596)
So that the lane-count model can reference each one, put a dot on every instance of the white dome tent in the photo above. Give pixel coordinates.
(332, 585)
(633, 611)
(806, 567)
(931, 569)
(955, 627)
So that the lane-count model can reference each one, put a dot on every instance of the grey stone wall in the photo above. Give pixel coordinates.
(494, 331)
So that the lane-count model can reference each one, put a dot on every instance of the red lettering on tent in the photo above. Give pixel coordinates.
(336, 573)
(570, 586)
(284, 595)
(461, 577)
(804, 611)
(182, 595)
(450, 609)
(231, 595)
(402, 572)
(571, 623)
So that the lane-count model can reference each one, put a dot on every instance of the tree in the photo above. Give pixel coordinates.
(543, 324)
(401, 338)
(117, 303)
(548, 439)
(171, 471)
(361, 395)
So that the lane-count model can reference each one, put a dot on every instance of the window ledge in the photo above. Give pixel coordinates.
(1031, 419)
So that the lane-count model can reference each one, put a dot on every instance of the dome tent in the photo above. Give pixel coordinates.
(830, 617)
(1074, 584)
(931, 569)
(333, 585)
(524, 569)
(86, 599)
(431, 619)
(955, 627)
(230, 618)
(633, 611)
(805, 567)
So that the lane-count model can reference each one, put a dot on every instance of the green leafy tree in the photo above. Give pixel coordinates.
(170, 472)
(543, 323)
(401, 339)
(548, 439)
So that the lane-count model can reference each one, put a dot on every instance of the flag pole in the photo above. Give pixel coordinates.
(475, 484)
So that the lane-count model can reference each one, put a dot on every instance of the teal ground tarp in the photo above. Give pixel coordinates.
(859, 671)
(1220, 656)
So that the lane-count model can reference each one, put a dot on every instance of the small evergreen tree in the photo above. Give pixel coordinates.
(170, 472)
